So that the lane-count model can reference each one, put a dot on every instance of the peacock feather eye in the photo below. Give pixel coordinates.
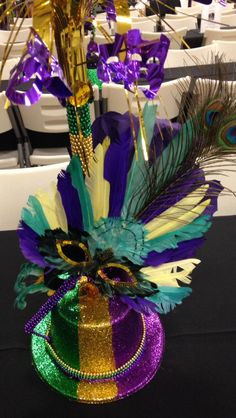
(227, 134)
(117, 275)
(213, 110)
(73, 252)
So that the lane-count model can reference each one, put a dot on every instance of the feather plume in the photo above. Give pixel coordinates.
(195, 229)
(70, 201)
(98, 187)
(53, 209)
(185, 211)
(169, 274)
(34, 216)
(138, 167)
(168, 297)
(77, 179)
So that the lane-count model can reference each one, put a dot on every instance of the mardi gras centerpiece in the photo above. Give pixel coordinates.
(113, 243)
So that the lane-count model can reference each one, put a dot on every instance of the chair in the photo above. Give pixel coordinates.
(170, 92)
(189, 57)
(194, 10)
(211, 35)
(170, 96)
(15, 187)
(16, 50)
(175, 37)
(144, 26)
(27, 22)
(142, 18)
(8, 65)
(228, 11)
(46, 116)
(8, 159)
(226, 49)
(188, 22)
(49, 117)
(229, 19)
(22, 35)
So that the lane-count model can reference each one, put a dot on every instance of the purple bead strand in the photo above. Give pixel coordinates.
(48, 306)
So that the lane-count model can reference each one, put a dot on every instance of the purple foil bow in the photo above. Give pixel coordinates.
(110, 10)
(143, 60)
(46, 73)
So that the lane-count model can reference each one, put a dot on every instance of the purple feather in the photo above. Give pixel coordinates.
(163, 134)
(173, 194)
(28, 241)
(185, 249)
(70, 200)
(139, 304)
(117, 159)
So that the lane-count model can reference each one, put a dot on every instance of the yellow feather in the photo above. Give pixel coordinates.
(168, 273)
(98, 187)
(53, 208)
(179, 215)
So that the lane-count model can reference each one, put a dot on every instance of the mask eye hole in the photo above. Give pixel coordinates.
(117, 275)
(73, 252)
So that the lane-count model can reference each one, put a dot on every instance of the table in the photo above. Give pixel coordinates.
(197, 375)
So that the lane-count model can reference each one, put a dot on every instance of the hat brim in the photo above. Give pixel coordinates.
(131, 381)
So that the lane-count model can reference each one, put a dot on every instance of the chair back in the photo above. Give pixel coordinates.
(211, 35)
(15, 52)
(229, 19)
(189, 57)
(8, 65)
(5, 124)
(144, 26)
(15, 187)
(21, 36)
(175, 37)
(47, 115)
(189, 22)
(226, 49)
(194, 10)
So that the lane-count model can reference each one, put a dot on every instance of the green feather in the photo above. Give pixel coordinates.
(78, 183)
(27, 270)
(191, 231)
(34, 216)
(138, 168)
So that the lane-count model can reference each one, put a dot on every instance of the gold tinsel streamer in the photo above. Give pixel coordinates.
(123, 17)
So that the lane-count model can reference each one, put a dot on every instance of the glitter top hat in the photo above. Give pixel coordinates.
(97, 348)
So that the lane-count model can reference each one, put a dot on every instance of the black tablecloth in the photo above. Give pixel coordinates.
(198, 372)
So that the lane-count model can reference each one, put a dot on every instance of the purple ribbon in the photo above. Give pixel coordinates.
(47, 74)
(143, 60)
(110, 10)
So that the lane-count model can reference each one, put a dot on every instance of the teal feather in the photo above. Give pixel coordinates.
(168, 297)
(188, 232)
(173, 155)
(34, 216)
(27, 270)
(78, 183)
(138, 167)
